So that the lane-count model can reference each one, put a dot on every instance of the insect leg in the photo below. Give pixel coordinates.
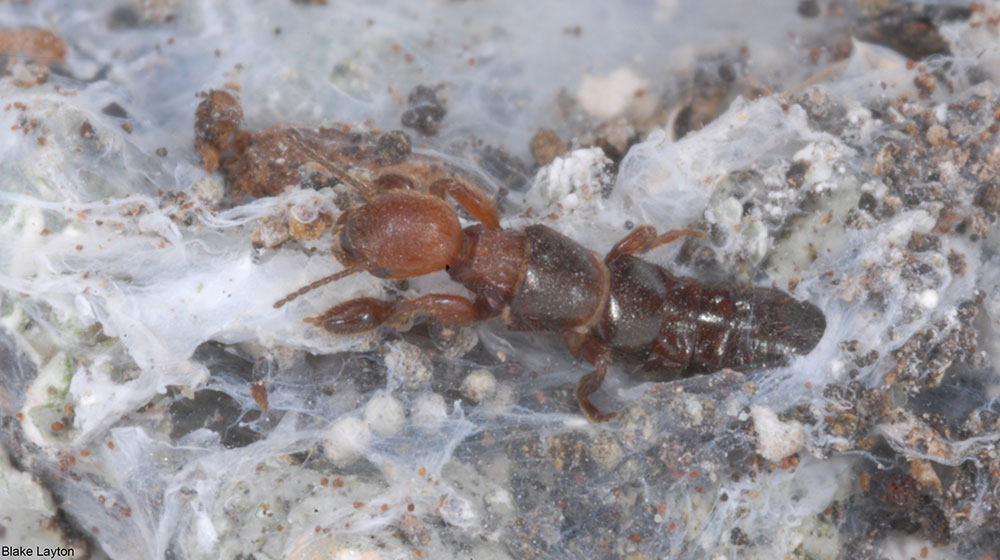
(585, 347)
(473, 199)
(644, 238)
(364, 314)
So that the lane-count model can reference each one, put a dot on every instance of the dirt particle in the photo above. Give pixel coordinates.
(988, 198)
(937, 135)
(796, 174)
(808, 8)
(426, 111)
(113, 109)
(921, 242)
(867, 202)
(925, 85)
(392, 147)
(415, 530)
(259, 393)
(956, 262)
(546, 146)
(738, 538)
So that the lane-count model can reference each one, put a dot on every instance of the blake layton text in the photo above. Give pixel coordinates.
(36, 552)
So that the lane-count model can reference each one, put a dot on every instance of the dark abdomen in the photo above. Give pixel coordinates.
(680, 326)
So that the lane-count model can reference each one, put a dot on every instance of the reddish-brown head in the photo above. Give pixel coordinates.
(402, 234)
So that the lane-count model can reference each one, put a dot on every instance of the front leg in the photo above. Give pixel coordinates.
(473, 199)
(365, 313)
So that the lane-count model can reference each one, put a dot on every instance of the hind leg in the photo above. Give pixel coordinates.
(585, 347)
(644, 238)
